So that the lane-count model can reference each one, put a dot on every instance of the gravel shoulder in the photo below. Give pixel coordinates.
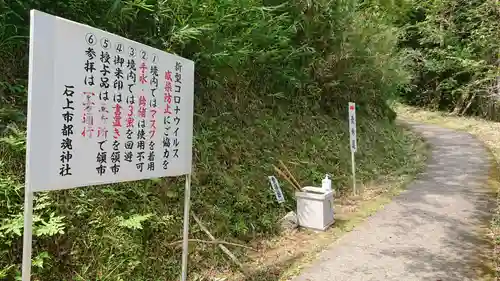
(435, 230)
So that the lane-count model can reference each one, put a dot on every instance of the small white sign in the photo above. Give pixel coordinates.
(352, 127)
(276, 189)
(104, 109)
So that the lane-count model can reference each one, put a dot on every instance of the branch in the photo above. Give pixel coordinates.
(212, 242)
(290, 174)
(286, 178)
(222, 247)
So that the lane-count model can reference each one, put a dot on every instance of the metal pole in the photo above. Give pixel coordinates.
(27, 236)
(353, 172)
(185, 238)
(28, 191)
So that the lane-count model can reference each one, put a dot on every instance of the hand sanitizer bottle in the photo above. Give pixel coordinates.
(326, 184)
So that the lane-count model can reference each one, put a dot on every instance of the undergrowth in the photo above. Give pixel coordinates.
(273, 79)
(125, 231)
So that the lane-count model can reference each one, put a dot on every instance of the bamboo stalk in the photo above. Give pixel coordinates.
(289, 173)
(286, 177)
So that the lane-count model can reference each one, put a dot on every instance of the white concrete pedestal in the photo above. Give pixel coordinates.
(315, 208)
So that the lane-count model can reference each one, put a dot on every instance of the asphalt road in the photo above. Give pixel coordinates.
(429, 232)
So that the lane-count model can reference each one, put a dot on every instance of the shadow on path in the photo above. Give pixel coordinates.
(433, 231)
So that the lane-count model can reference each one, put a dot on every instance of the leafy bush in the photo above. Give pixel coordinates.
(272, 82)
(453, 52)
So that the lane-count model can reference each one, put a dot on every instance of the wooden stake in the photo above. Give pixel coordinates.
(289, 173)
(286, 178)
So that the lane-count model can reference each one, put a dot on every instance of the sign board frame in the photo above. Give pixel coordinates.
(54, 42)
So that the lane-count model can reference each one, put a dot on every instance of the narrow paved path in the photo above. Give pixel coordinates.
(430, 231)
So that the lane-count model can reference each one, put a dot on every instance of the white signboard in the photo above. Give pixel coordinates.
(104, 109)
(276, 189)
(352, 127)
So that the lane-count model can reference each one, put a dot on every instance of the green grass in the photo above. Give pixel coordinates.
(282, 257)
(124, 231)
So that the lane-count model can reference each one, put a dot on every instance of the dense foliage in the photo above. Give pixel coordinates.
(272, 81)
(454, 55)
(454, 51)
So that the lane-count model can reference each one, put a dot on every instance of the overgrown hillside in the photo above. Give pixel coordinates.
(273, 81)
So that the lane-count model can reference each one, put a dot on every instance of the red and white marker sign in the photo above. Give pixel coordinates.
(352, 126)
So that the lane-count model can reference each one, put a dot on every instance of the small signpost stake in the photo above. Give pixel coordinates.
(185, 236)
(27, 235)
(353, 141)
(28, 193)
(353, 163)
(275, 186)
(103, 109)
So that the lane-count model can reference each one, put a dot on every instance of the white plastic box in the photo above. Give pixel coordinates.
(315, 208)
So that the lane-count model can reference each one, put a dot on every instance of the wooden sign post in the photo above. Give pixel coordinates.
(353, 141)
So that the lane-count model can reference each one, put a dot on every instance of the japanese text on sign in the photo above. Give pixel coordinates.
(352, 127)
(117, 110)
(276, 189)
